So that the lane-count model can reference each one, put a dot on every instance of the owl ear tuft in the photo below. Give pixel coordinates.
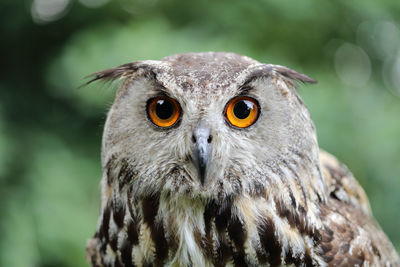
(292, 74)
(117, 72)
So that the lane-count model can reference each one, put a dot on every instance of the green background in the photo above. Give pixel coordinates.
(50, 131)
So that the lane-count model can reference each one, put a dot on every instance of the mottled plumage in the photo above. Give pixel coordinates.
(205, 193)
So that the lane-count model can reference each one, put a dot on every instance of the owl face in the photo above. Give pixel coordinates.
(202, 124)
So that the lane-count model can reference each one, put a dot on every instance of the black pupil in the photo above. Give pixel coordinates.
(164, 109)
(242, 109)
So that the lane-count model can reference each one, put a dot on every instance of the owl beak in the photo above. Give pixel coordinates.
(201, 151)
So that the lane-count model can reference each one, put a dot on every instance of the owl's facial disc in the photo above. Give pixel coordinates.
(201, 150)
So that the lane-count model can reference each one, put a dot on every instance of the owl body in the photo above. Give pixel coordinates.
(211, 159)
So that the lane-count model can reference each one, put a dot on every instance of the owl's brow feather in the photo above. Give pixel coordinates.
(268, 69)
(292, 74)
(255, 74)
(120, 71)
(128, 69)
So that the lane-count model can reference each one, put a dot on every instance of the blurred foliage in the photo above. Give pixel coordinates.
(50, 132)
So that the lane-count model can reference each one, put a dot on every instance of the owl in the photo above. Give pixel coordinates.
(212, 159)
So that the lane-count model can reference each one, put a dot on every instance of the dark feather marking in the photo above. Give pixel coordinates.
(244, 90)
(103, 232)
(296, 221)
(239, 259)
(340, 236)
(308, 259)
(198, 238)
(113, 241)
(327, 235)
(326, 248)
(109, 180)
(223, 215)
(336, 173)
(238, 234)
(124, 174)
(375, 250)
(236, 185)
(289, 259)
(358, 259)
(117, 262)
(150, 206)
(256, 74)
(292, 199)
(328, 231)
(221, 211)
(318, 195)
(284, 212)
(126, 254)
(302, 210)
(300, 154)
(172, 238)
(93, 253)
(332, 253)
(270, 242)
(261, 254)
(257, 189)
(301, 102)
(118, 213)
(129, 196)
(104, 227)
(186, 85)
(299, 260)
(298, 180)
(334, 195)
(328, 258)
(133, 224)
(133, 235)
(109, 167)
(204, 243)
(315, 236)
(224, 252)
(209, 213)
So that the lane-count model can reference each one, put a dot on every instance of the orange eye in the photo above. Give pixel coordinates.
(242, 111)
(163, 111)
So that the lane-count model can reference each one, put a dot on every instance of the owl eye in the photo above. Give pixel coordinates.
(163, 111)
(242, 111)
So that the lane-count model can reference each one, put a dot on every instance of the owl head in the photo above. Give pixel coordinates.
(208, 125)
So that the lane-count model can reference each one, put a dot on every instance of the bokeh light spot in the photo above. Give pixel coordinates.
(380, 39)
(43, 11)
(391, 74)
(352, 65)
